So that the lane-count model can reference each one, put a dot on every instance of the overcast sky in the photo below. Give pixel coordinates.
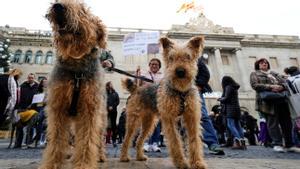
(279, 17)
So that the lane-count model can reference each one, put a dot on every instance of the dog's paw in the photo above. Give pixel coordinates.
(102, 159)
(183, 165)
(125, 159)
(141, 158)
(199, 165)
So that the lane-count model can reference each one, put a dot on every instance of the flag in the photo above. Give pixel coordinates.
(186, 6)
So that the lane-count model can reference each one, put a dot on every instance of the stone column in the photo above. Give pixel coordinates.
(243, 75)
(219, 67)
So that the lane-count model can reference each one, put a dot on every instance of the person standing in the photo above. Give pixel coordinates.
(8, 90)
(232, 111)
(113, 101)
(277, 112)
(28, 89)
(154, 74)
(122, 125)
(209, 134)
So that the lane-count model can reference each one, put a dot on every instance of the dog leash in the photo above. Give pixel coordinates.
(130, 75)
(76, 93)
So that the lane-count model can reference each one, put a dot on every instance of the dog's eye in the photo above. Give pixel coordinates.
(171, 59)
(186, 57)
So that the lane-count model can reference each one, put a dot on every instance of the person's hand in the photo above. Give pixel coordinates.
(199, 88)
(138, 70)
(276, 88)
(106, 64)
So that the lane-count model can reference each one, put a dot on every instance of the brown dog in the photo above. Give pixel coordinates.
(75, 91)
(175, 96)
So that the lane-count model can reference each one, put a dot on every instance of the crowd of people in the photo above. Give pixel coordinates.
(228, 124)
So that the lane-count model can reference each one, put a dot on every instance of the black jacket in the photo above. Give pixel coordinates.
(27, 93)
(203, 76)
(113, 100)
(231, 101)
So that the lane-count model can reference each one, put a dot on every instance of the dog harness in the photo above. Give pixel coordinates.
(69, 70)
(182, 97)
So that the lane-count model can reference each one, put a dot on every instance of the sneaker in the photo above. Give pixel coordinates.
(237, 145)
(215, 150)
(146, 147)
(243, 144)
(155, 148)
(278, 149)
(293, 149)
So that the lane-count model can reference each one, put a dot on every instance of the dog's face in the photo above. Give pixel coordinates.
(76, 30)
(181, 61)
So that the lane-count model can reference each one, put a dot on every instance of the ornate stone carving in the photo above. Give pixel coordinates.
(203, 25)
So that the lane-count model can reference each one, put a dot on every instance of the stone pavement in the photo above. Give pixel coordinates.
(165, 163)
(256, 157)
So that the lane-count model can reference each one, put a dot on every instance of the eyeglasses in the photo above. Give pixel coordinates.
(263, 62)
(154, 64)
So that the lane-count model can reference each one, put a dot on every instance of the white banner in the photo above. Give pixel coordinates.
(141, 43)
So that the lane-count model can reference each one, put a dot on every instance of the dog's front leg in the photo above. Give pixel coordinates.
(174, 143)
(86, 141)
(192, 122)
(57, 136)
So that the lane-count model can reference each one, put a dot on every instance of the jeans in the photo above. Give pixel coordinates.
(209, 133)
(155, 136)
(235, 128)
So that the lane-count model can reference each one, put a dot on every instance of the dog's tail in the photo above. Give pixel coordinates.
(129, 85)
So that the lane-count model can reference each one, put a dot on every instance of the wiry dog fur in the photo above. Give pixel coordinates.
(77, 36)
(147, 103)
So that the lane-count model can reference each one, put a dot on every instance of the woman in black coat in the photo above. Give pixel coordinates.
(232, 110)
(113, 101)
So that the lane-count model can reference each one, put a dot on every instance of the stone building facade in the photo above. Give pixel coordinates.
(229, 53)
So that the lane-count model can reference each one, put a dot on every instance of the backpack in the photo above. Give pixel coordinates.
(293, 85)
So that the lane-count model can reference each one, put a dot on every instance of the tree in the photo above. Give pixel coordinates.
(5, 55)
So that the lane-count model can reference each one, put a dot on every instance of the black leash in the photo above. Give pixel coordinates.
(76, 92)
(131, 75)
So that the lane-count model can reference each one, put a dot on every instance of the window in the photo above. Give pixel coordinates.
(294, 62)
(49, 57)
(273, 62)
(38, 57)
(17, 56)
(225, 59)
(28, 56)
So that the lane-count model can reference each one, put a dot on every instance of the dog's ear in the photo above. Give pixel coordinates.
(196, 44)
(166, 43)
(101, 33)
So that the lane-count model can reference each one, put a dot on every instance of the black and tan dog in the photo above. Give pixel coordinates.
(75, 90)
(176, 95)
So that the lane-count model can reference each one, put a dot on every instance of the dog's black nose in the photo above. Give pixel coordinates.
(180, 72)
(58, 8)
(59, 14)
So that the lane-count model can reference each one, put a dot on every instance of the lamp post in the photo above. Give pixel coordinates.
(5, 55)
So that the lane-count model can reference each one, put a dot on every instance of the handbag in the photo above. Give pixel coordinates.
(270, 96)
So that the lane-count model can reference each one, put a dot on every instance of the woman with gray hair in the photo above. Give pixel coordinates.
(276, 111)
(8, 90)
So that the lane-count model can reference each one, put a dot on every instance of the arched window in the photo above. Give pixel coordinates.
(17, 56)
(38, 57)
(49, 57)
(28, 56)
